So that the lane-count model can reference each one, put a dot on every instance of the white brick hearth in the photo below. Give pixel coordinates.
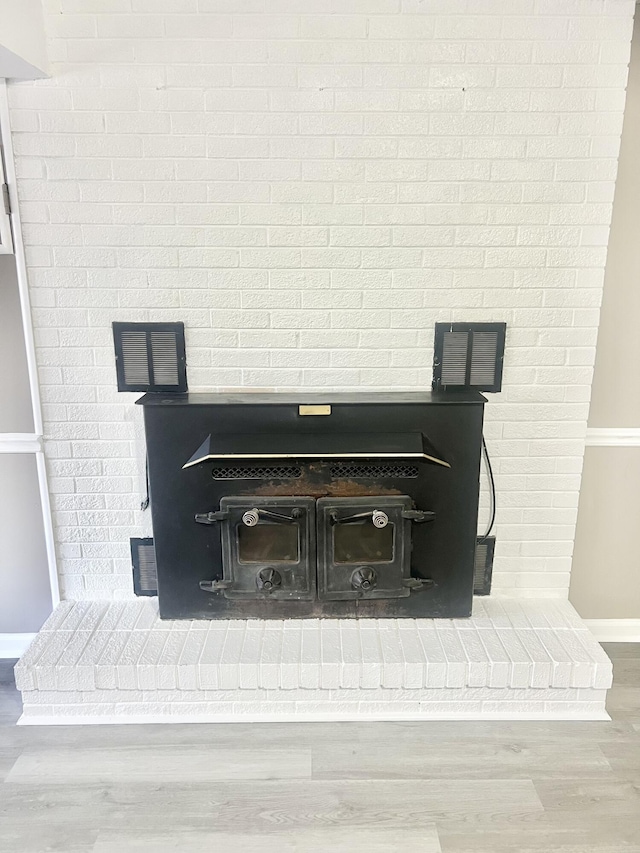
(101, 662)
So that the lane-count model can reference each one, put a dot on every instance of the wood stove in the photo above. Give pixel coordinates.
(277, 505)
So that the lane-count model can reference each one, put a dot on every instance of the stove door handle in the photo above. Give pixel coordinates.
(252, 517)
(377, 517)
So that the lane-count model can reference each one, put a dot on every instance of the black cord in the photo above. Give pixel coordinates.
(145, 503)
(492, 484)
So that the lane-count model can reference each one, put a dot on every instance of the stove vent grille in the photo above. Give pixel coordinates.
(483, 570)
(145, 573)
(468, 356)
(253, 472)
(374, 472)
(150, 356)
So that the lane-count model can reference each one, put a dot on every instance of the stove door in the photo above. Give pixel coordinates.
(268, 547)
(364, 547)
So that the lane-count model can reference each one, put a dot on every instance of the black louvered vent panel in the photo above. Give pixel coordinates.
(483, 361)
(135, 361)
(150, 356)
(165, 358)
(455, 347)
(373, 472)
(468, 356)
(145, 575)
(248, 472)
(483, 570)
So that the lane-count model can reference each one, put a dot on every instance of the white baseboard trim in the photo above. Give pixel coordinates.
(31, 719)
(14, 645)
(614, 630)
(618, 437)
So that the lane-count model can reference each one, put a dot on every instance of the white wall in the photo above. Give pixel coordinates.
(310, 191)
(606, 565)
(16, 413)
(23, 47)
(615, 399)
(25, 593)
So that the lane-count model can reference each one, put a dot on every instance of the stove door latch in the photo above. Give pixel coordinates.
(418, 515)
(214, 586)
(415, 584)
(211, 517)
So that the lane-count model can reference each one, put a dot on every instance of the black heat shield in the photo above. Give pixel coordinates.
(360, 445)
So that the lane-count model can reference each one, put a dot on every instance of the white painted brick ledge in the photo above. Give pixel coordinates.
(104, 662)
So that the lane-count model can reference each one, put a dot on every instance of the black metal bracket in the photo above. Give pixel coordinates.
(211, 517)
(214, 586)
(415, 584)
(418, 515)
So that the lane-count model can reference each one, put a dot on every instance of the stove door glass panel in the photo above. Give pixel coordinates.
(268, 543)
(362, 543)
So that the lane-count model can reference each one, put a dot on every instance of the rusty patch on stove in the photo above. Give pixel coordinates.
(338, 489)
(335, 489)
(316, 482)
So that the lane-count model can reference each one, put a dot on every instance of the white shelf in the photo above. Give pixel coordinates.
(20, 442)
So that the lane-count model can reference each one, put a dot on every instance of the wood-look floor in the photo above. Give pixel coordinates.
(458, 787)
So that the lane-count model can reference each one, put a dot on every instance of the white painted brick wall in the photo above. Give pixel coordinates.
(310, 191)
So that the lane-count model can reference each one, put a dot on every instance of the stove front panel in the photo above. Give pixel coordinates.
(188, 553)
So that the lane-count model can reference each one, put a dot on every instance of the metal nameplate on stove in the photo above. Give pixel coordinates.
(314, 410)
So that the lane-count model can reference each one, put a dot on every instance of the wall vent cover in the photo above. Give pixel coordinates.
(145, 573)
(483, 570)
(150, 357)
(468, 356)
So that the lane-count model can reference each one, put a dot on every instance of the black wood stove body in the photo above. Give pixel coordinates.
(339, 505)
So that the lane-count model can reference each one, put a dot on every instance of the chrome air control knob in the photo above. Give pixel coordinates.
(364, 579)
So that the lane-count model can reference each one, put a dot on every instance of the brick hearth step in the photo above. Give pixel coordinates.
(106, 662)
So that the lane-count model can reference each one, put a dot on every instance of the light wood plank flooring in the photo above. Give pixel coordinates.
(459, 787)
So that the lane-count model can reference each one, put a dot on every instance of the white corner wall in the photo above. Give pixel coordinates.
(23, 45)
(25, 594)
(606, 533)
(310, 191)
(16, 411)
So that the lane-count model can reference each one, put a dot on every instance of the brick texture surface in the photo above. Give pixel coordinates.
(97, 660)
(309, 186)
